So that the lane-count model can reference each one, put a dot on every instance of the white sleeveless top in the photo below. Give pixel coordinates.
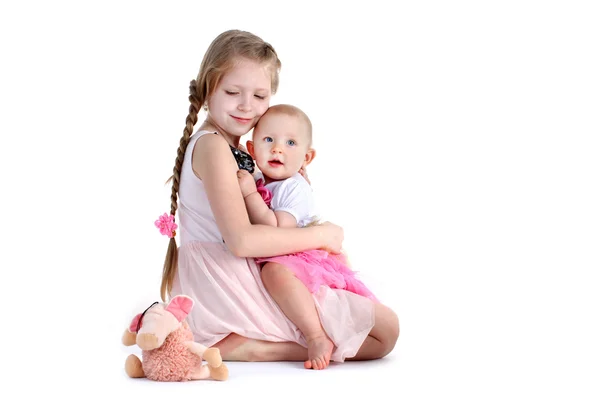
(196, 220)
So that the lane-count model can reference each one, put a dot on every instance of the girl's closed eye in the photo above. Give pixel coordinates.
(231, 93)
(260, 97)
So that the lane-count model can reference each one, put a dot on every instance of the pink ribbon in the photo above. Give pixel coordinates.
(265, 193)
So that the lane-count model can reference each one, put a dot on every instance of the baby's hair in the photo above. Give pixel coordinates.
(293, 111)
(222, 54)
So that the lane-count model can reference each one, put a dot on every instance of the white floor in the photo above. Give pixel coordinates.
(436, 364)
(278, 380)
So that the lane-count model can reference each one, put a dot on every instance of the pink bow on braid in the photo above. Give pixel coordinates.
(166, 225)
(265, 193)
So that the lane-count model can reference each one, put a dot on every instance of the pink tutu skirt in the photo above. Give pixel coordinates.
(318, 267)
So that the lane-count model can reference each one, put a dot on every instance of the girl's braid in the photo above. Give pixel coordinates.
(170, 266)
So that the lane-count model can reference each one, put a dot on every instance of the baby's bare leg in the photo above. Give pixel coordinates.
(298, 305)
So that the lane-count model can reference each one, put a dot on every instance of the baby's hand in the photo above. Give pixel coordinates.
(246, 181)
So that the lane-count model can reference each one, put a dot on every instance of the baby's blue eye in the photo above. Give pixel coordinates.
(268, 139)
(291, 142)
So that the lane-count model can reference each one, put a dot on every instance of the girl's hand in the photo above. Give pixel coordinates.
(333, 236)
(304, 174)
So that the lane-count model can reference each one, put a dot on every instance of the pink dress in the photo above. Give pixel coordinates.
(230, 296)
(316, 268)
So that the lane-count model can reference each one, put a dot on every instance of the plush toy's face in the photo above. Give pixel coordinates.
(159, 321)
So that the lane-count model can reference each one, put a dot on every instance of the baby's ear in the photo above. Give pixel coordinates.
(310, 155)
(250, 147)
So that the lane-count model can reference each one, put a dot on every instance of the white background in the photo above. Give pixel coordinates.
(457, 144)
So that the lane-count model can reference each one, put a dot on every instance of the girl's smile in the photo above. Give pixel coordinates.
(242, 120)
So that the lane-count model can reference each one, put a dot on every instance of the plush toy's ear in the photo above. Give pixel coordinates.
(180, 306)
(133, 327)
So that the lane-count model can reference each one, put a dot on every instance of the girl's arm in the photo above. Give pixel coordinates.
(213, 163)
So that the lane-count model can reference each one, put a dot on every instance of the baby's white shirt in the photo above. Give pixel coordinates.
(295, 196)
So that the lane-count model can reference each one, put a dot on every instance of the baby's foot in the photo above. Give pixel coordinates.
(319, 352)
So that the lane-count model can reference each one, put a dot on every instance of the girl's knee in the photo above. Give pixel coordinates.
(389, 330)
(393, 333)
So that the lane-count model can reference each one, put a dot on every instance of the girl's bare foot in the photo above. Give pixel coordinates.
(235, 348)
(319, 352)
(238, 348)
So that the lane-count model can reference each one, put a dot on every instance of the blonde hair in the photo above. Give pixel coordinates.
(221, 56)
(292, 111)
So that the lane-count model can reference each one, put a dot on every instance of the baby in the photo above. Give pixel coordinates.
(280, 196)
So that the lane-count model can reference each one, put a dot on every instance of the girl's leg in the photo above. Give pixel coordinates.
(378, 344)
(298, 305)
(238, 348)
(383, 336)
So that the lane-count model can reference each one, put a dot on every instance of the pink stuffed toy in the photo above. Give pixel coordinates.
(169, 352)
